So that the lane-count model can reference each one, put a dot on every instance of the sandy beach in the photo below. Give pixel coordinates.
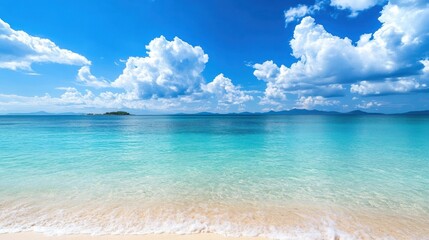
(39, 236)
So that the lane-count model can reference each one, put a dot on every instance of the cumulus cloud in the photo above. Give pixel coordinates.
(226, 92)
(356, 5)
(395, 86)
(312, 101)
(19, 50)
(85, 76)
(394, 52)
(171, 69)
(168, 79)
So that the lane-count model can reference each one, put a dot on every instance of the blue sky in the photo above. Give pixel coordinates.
(164, 56)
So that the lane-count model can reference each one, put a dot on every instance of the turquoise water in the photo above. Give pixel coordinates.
(281, 177)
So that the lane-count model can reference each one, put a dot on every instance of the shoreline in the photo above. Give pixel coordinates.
(291, 223)
(197, 236)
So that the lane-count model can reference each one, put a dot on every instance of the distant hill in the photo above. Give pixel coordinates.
(425, 112)
(359, 112)
(296, 111)
(285, 112)
(205, 113)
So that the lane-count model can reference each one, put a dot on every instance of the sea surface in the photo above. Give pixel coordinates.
(280, 177)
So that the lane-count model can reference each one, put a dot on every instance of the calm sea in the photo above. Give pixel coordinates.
(281, 177)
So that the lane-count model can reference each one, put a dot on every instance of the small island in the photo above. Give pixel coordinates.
(117, 113)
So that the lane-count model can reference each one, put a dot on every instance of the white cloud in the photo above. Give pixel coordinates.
(19, 50)
(269, 71)
(300, 11)
(295, 13)
(226, 92)
(370, 104)
(356, 5)
(331, 90)
(393, 52)
(388, 87)
(73, 100)
(425, 63)
(85, 76)
(272, 95)
(168, 79)
(171, 69)
(395, 86)
(313, 101)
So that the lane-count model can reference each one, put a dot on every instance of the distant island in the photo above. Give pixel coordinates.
(117, 113)
(296, 111)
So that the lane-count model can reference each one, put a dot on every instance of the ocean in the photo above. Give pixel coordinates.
(279, 177)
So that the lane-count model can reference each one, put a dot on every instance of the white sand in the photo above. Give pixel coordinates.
(38, 236)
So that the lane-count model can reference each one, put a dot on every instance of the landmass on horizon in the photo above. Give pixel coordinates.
(117, 113)
(294, 111)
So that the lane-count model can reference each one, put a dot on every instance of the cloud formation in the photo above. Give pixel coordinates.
(312, 101)
(388, 87)
(382, 60)
(226, 92)
(300, 11)
(73, 100)
(169, 78)
(370, 104)
(391, 60)
(19, 50)
(171, 69)
(85, 76)
(399, 85)
(355, 5)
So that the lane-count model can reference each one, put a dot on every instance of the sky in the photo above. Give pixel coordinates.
(171, 56)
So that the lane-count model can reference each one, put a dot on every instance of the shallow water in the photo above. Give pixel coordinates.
(283, 177)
